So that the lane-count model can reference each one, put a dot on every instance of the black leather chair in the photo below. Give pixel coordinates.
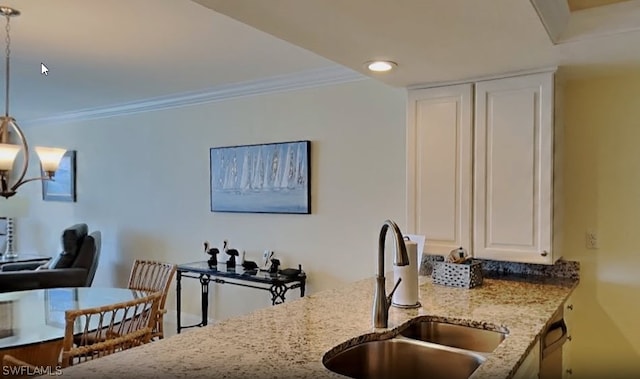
(75, 267)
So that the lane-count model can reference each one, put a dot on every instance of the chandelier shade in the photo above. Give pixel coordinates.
(49, 156)
(8, 153)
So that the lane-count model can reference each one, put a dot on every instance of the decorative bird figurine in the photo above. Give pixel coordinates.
(231, 262)
(213, 261)
(248, 265)
(275, 263)
(213, 252)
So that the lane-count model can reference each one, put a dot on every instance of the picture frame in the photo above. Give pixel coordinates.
(261, 178)
(3, 234)
(63, 185)
(57, 301)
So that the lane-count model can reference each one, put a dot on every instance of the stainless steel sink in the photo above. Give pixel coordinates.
(460, 336)
(403, 358)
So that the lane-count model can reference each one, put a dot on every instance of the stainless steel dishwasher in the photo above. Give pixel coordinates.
(552, 340)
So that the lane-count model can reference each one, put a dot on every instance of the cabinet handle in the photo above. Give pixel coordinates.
(544, 253)
(569, 371)
(570, 307)
(569, 338)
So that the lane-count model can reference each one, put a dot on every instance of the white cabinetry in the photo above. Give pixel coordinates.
(480, 173)
(440, 166)
(530, 367)
(513, 175)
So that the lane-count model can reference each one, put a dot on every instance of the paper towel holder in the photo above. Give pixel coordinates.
(411, 306)
(407, 306)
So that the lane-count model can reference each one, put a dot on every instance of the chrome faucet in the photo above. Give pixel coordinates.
(382, 302)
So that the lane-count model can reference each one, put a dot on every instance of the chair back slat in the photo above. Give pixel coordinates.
(151, 276)
(154, 276)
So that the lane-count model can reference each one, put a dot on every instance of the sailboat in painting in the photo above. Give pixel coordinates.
(284, 182)
(256, 179)
(300, 179)
(245, 183)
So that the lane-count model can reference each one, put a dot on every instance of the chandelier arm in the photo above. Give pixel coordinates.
(25, 161)
(15, 186)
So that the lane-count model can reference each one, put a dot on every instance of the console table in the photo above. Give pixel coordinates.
(276, 284)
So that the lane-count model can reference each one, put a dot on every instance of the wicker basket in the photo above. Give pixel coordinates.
(464, 275)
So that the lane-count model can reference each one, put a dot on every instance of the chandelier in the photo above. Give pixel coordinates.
(49, 156)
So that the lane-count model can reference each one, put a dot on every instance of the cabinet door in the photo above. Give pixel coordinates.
(513, 178)
(439, 166)
(530, 367)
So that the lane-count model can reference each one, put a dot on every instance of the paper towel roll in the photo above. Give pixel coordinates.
(406, 296)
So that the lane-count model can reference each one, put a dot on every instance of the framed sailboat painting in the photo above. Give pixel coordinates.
(261, 178)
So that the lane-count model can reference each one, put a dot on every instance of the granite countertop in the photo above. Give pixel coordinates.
(289, 340)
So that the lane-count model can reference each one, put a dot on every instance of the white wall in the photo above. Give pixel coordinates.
(143, 180)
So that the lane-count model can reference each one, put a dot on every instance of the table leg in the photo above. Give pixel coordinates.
(204, 284)
(178, 291)
(303, 286)
(277, 293)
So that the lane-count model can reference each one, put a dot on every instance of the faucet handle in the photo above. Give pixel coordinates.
(395, 287)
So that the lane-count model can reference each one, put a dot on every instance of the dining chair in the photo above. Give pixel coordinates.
(95, 332)
(13, 367)
(149, 275)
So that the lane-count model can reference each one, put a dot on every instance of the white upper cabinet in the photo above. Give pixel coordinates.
(480, 168)
(513, 171)
(439, 146)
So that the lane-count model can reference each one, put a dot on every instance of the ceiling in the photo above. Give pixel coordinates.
(105, 54)
(448, 40)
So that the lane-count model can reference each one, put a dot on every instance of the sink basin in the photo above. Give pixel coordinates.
(460, 336)
(402, 358)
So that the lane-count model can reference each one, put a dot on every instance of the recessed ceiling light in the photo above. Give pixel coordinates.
(381, 66)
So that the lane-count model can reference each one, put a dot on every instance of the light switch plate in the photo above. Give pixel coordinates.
(591, 239)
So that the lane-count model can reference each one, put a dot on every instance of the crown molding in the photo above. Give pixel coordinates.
(483, 78)
(554, 16)
(281, 83)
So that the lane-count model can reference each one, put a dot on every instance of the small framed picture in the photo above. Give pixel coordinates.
(63, 185)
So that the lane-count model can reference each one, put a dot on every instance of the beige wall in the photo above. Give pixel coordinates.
(143, 180)
(602, 191)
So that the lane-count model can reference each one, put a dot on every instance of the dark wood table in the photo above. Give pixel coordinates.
(275, 283)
